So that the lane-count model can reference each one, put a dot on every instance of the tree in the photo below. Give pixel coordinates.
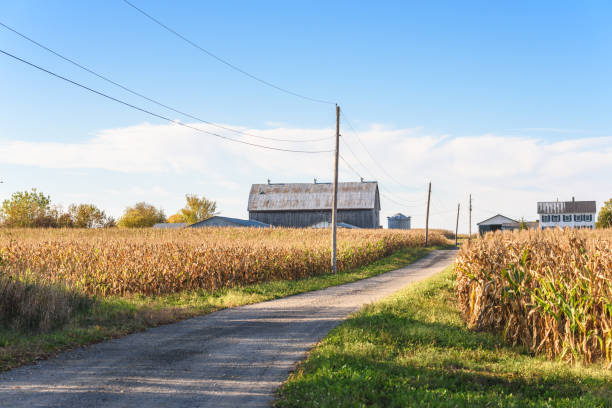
(87, 216)
(27, 209)
(197, 209)
(141, 215)
(523, 225)
(604, 219)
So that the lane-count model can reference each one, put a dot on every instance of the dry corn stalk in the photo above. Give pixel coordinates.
(548, 290)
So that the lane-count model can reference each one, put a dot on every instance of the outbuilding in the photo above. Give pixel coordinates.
(497, 223)
(301, 205)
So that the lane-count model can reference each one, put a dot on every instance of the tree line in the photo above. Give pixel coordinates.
(33, 209)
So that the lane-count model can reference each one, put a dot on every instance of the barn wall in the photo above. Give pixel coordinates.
(301, 219)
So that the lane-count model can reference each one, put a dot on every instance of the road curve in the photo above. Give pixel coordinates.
(232, 358)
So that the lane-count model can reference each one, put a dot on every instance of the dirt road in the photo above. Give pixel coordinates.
(232, 358)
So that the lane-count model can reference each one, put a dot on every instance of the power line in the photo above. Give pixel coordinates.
(381, 193)
(370, 154)
(383, 188)
(73, 62)
(223, 61)
(156, 114)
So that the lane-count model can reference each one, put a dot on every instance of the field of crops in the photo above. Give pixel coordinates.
(550, 291)
(120, 262)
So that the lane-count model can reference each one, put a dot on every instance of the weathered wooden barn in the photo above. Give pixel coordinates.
(301, 205)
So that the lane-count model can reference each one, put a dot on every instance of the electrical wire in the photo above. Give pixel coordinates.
(125, 88)
(371, 156)
(156, 114)
(223, 61)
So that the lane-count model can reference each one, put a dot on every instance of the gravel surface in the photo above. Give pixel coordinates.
(232, 358)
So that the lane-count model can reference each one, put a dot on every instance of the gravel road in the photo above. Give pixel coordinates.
(232, 358)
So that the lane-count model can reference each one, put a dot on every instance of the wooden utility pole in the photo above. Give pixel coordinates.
(427, 217)
(470, 226)
(457, 226)
(335, 192)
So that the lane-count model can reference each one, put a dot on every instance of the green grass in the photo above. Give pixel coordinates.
(117, 316)
(413, 350)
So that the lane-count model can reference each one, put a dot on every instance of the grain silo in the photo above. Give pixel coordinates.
(399, 221)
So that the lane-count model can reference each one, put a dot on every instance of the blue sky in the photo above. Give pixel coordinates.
(508, 101)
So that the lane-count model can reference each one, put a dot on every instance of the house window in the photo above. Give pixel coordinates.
(588, 217)
(577, 217)
(546, 218)
(555, 218)
(567, 218)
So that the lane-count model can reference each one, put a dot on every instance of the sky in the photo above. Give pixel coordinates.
(509, 102)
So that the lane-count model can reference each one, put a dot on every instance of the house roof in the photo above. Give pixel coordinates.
(498, 220)
(566, 207)
(170, 225)
(318, 196)
(399, 216)
(236, 221)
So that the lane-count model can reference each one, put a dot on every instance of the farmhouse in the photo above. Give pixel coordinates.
(398, 221)
(218, 221)
(571, 214)
(497, 223)
(301, 205)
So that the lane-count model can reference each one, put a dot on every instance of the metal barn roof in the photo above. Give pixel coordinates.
(228, 220)
(327, 224)
(318, 196)
(566, 207)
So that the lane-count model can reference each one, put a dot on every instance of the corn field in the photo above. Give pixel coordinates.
(122, 262)
(550, 290)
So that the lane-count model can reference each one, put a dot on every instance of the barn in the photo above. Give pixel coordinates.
(301, 205)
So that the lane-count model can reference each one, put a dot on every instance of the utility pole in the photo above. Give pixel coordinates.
(427, 217)
(457, 226)
(335, 192)
(470, 226)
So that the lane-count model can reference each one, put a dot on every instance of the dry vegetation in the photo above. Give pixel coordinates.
(548, 290)
(120, 262)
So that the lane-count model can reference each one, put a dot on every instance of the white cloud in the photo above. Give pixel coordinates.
(504, 174)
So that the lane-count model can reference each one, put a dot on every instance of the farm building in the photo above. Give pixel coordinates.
(571, 214)
(301, 205)
(499, 222)
(170, 225)
(398, 221)
(218, 221)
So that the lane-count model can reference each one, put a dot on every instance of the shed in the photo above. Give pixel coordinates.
(301, 205)
(218, 221)
(170, 225)
(496, 223)
(398, 221)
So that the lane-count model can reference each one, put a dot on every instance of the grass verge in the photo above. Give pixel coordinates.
(413, 350)
(117, 316)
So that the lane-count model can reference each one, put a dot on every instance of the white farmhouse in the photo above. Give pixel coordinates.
(571, 214)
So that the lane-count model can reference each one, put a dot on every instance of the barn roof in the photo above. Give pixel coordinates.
(230, 220)
(309, 196)
(566, 207)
